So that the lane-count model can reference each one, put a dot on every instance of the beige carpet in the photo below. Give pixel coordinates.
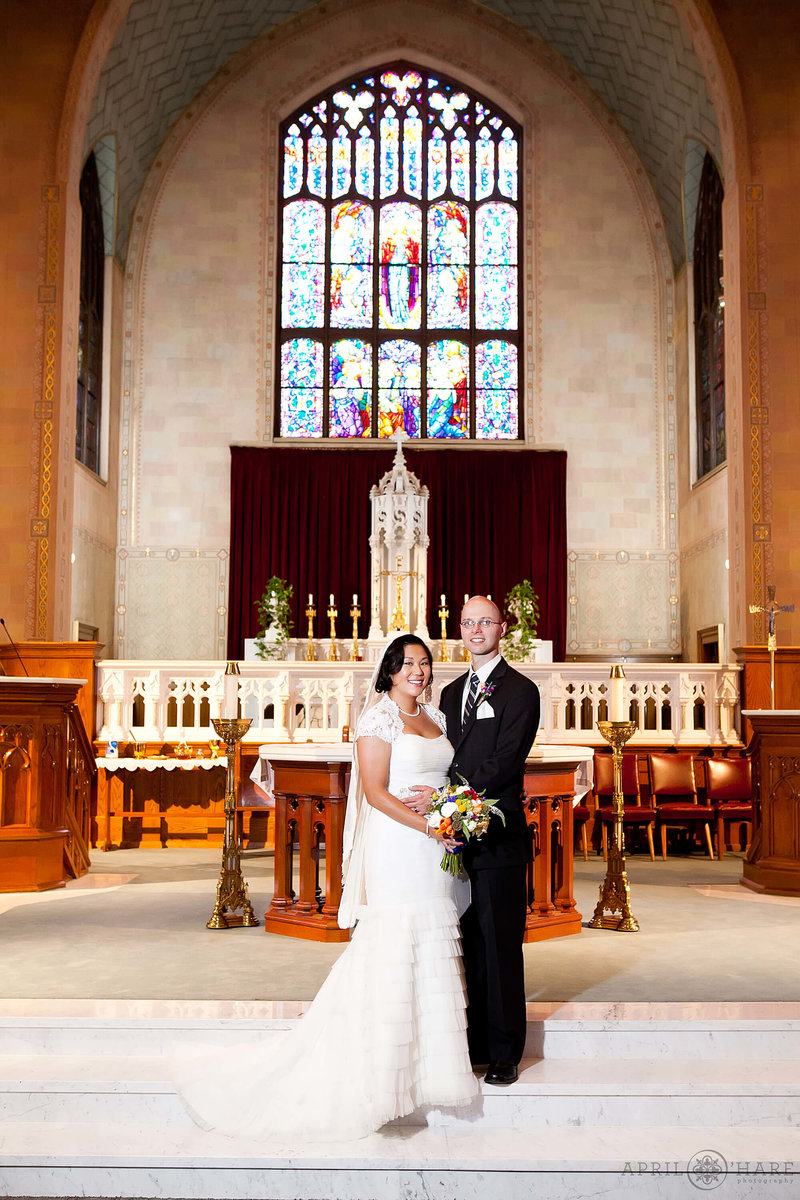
(134, 927)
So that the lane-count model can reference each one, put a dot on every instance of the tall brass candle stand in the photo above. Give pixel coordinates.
(311, 612)
(444, 613)
(355, 613)
(615, 894)
(333, 612)
(231, 887)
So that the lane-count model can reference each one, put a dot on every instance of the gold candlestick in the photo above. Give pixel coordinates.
(444, 613)
(231, 887)
(355, 613)
(615, 894)
(333, 654)
(311, 612)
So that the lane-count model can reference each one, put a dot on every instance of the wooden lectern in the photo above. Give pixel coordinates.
(772, 863)
(46, 776)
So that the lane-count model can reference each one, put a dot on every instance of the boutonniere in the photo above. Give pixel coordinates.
(485, 693)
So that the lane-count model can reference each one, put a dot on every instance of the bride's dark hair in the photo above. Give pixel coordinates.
(393, 660)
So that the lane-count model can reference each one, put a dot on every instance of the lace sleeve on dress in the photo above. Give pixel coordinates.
(380, 721)
(437, 716)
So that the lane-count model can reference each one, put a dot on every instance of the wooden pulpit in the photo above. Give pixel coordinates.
(46, 776)
(58, 660)
(772, 863)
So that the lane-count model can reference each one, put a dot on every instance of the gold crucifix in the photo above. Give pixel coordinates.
(771, 609)
(398, 621)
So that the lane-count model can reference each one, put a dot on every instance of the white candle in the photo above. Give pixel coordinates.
(310, 600)
(617, 701)
(443, 600)
(331, 600)
(355, 598)
(466, 597)
(488, 595)
(230, 706)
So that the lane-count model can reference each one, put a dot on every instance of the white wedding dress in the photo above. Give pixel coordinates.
(386, 1033)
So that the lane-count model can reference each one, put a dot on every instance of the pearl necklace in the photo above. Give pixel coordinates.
(408, 714)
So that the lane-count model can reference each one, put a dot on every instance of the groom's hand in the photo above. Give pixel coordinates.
(419, 802)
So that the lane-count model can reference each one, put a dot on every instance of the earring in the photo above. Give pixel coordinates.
(428, 694)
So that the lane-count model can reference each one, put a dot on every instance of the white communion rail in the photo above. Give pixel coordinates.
(692, 704)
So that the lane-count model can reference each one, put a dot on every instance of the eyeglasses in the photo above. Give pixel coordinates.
(484, 623)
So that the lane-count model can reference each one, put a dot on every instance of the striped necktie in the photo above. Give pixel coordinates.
(471, 696)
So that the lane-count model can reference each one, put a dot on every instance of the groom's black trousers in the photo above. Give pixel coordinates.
(492, 930)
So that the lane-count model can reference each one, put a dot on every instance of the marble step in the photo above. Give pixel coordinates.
(553, 1038)
(56, 1090)
(569, 1163)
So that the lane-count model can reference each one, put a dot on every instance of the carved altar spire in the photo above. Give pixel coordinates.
(399, 550)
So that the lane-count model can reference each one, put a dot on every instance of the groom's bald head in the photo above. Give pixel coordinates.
(483, 606)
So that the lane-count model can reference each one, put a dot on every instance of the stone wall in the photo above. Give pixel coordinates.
(200, 313)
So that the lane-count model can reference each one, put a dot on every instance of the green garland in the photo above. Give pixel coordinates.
(274, 612)
(523, 603)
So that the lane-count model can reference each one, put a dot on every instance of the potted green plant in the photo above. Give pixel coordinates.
(523, 603)
(274, 618)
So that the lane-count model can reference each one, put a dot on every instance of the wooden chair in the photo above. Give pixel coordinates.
(674, 793)
(633, 812)
(729, 789)
(581, 814)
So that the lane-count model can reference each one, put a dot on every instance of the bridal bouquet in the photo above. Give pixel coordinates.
(458, 811)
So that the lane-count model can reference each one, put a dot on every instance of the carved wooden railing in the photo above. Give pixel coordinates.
(81, 775)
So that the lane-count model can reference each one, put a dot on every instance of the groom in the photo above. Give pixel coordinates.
(492, 717)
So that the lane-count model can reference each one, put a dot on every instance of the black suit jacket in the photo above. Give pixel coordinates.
(490, 754)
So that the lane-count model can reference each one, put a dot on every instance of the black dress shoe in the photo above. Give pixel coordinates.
(501, 1074)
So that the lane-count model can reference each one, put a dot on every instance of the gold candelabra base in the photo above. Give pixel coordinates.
(444, 653)
(231, 887)
(333, 653)
(311, 612)
(615, 892)
(355, 613)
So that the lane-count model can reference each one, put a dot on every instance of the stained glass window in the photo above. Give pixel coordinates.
(709, 319)
(400, 299)
(90, 322)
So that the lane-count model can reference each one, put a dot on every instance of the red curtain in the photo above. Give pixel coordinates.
(494, 518)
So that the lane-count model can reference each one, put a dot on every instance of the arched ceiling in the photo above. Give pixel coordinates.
(634, 54)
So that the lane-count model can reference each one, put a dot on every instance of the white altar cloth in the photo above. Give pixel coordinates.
(155, 763)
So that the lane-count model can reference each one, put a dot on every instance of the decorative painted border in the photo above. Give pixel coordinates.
(44, 413)
(718, 537)
(758, 397)
(670, 645)
(173, 554)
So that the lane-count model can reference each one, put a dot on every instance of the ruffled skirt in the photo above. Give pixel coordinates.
(386, 1033)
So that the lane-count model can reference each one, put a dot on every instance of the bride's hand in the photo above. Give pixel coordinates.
(449, 843)
(420, 800)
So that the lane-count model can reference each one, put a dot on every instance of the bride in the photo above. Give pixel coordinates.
(386, 1033)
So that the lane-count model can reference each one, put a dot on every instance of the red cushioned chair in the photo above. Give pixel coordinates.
(581, 814)
(674, 793)
(729, 789)
(633, 812)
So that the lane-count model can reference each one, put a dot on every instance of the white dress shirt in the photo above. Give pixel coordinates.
(483, 674)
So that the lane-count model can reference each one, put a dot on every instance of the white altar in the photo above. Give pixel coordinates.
(398, 580)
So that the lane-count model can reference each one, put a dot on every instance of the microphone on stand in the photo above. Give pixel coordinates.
(14, 644)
